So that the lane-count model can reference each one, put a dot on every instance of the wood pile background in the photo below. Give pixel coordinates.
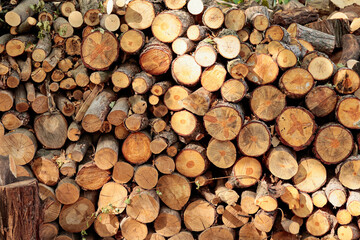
(179, 120)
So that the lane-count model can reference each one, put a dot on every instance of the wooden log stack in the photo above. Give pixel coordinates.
(182, 120)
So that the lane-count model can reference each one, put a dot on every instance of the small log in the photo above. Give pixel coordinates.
(51, 130)
(106, 225)
(7, 100)
(74, 131)
(306, 206)
(52, 60)
(99, 55)
(115, 194)
(352, 203)
(66, 8)
(20, 145)
(254, 138)
(90, 177)
(321, 101)
(90, 11)
(45, 167)
(107, 151)
(347, 111)
(123, 76)
(235, 19)
(197, 32)
(237, 68)
(42, 49)
(142, 82)
(21, 103)
(264, 221)
(121, 132)
(350, 231)
(296, 82)
(146, 176)
(335, 193)
(346, 81)
(68, 168)
(136, 148)
(20, 13)
(12, 120)
(110, 22)
(205, 54)
(213, 77)
(307, 180)
(16, 46)
(182, 45)
(164, 164)
(73, 45)
(80, 74)
(264, 199)
(81, 211)
(75, 18)
(319, 198)
(321, 41)
(257, 64)
(185, 70)
(163, 26)
(327, 148)
(163, 140)
(343, 216)
(250, 231)
(291, 196)
(225, 39)
(174, 5)
(213, 17)
(96, 113)
(64, 105)
(234, 216)
(132, 229)
(131, 41)
(175, 190)
(135, 15)
(100, 77)
(63, 27)
(320, 222)
(168, 223)
(226, 195)
(198, 102)
(192, 161)
(219, 231)
(155, 57)
(227, 115)
(3, 40)
(221, 153)
(258, 16)
(185, 124)
(245, 172)
(160, 88)
(123, 172)
(46, 193)
(67, 191)
(199, 215)
(281, 162)
(247, 202)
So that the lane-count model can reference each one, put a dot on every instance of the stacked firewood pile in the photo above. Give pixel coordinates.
(180, 120)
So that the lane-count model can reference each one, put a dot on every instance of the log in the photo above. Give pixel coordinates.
(249, 231)
(16, 46)
(136, 148)
(254, 138)
(199, 215)
(45, 167)
(234, 216)
(258, 16)
(67, 191)
(192, 161)
(124, 74)
(20, 13)
(217, 232)
(319, 198)
(291, 196)
(305, 179)
(98, 110)
(185, 70)
(281, 162)
(175, 190)
(213, 17)
(353, 203)
(257, 63)
(205, 54)
(347, 111)
(51, 130)
(106, 225)
(306, 206)
(135, 15)
(346, 81)
(264, 221)
(321, 101)
(335, 193)
(47, 194)
(12, 120)
(245, 173)
(228, 115)
(90, 177)
(168, 223)
(319, 223)
(144, 206)
(155, 57)
(185, 124)
(198, 102)
(77, 217)
(132, 229)
(112, 198)
(197, 32)
(343, 216)
(132, 41)
(146, 176)
(20, 222)
(221, 153)
(321, 41)
(107, 151)
(169, 25)
(99, 50)
(182, 45)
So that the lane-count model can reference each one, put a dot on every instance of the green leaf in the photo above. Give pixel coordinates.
(340, 65)
(112, 104)
(158, 192)
(197, 184)
(127, 201)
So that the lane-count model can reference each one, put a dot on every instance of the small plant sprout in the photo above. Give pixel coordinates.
(158, 192)
(127, 201)
(197, 184)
